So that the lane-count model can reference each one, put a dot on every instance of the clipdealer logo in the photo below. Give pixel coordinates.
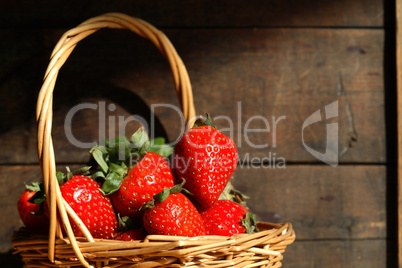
(272, 160)
(330, 156)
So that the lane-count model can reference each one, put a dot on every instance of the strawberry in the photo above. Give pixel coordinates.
(94, 209)
(226, 217)
(31, 211)
(131, 235)
(147, 178)
(172, 213)
(206, 159)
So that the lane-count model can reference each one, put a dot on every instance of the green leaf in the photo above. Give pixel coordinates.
(98, 174)
(37, 198)
(163, 150)
(112, 183)
(239, 194)
(209, 121)
(139, 138)
(81, 171)
(103, 149)
(35, 186)
(144, 148)
(121, 140)
(60, 177)
(158, 146)
(120, 150)
(98, 156)
(125, 223)
(160, 197)
(121, 169)
(158, 141)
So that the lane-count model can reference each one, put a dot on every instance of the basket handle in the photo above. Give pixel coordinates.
(44, 113)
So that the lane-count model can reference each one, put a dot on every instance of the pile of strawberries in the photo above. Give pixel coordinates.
(136, 191)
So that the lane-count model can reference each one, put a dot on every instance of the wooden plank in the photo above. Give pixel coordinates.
(237, 73)
(321, 202)
(337, 254)
(15, 55)
(399, 116)
(347, 202)
(20, 78)
(206, 13)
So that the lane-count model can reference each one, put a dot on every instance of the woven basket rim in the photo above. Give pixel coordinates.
(262, 248)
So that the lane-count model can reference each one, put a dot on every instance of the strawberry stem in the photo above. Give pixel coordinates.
(204, 122)
(178, 187)
(160, 197)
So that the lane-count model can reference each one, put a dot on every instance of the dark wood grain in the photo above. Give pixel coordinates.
(277, 58)
(337, 254)
(321, 202)
(239, 74)
(204, 13)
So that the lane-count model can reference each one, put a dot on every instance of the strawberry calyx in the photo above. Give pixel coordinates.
(204, 122)
(162, 196)
(230, 193)
(250, 223)
(38, 198)
(116, 158)
(64, 177)
(125, 223)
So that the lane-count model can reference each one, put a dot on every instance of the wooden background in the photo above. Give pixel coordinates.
(245, 58)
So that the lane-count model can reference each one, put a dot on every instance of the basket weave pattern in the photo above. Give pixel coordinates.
(262, 249)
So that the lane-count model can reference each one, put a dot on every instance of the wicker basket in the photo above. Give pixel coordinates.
(262, 249)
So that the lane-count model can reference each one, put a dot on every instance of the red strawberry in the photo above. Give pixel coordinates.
(131, 235)
(30, 213)
(227, 218)
(147, 178)
(206, 159)
(93, 208)
(172, 213)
